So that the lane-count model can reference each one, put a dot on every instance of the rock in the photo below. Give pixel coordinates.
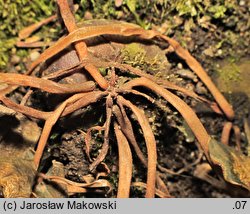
(200, 88)
(187, 74)
(34, 55)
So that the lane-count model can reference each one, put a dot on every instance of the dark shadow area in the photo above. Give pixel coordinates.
(8, 137)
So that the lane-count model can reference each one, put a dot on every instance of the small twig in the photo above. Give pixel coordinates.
(38, 44)
(135, 92)
(46, 85)
(25, 109)
(24, 33)
(86, 99)
(26, 97)
(201, 73)
(65, 72)
(162, 187)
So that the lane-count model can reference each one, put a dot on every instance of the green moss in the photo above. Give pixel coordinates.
(17, 14)
(103, 71)
(14, 16)
(113, 179)
(229, 73)
(217, 11)
(133, 54)
(189, 7)
(233, 77)
(5, 46)
(150, 59)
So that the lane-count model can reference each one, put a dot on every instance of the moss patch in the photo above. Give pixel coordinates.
(234, 77)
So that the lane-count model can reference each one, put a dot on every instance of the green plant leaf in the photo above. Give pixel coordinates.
(131, 5)
(218, 11)
(235, 165)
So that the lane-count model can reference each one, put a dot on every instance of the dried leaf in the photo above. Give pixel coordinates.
(235, 165)
(6, 111)
(74, 187)
(47, 189)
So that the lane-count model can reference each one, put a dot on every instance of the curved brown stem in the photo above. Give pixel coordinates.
(127, 130)
(80, 34)
(135, 92)
(154, 101)
(86, 99)
(125, 164)
(150, 143)
(24, 109)
(24, 33)
(45, 85)
(237, 137)
(126, 29)
(164, 83)
(161, 186)
(187, 113)
(80, 46)
(201, 73)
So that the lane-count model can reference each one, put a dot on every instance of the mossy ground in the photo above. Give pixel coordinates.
(227, 21)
